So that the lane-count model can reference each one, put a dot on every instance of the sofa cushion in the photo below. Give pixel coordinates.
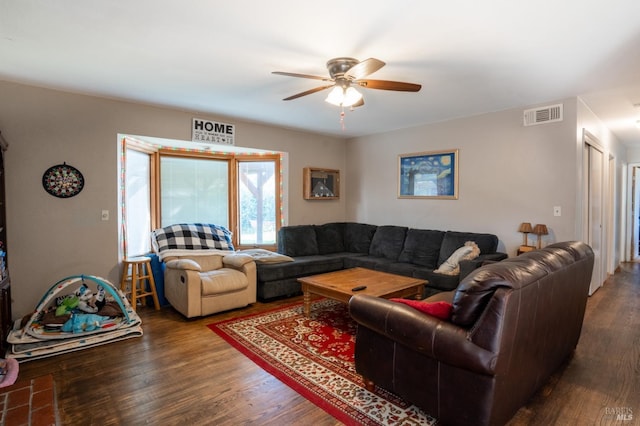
(488, 243)
(441, 282)
(370, 262)
(422, 247)
(330, 237)
(278, 288)
(401, 268)
(387, 242)
(301, 267)
(439, 309)
(222, 281)
(298, 241)
(451, 266)
(358, 236)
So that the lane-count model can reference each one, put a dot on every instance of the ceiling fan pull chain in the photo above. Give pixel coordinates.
(342, 119)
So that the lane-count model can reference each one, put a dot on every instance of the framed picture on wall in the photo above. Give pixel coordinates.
(428, 175)
(321, 184)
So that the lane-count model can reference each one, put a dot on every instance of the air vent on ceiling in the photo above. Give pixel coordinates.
(548, 114)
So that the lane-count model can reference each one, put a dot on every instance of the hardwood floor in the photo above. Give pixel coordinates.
(180, 372)
(602, 379)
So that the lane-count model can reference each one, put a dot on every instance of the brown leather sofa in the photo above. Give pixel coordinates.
(513, 324)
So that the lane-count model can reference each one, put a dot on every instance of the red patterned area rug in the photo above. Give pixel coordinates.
(314, 356)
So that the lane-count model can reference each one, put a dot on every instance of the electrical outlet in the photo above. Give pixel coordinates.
(105, 215)
(557, 211)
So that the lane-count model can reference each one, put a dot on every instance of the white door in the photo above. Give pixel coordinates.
(593, 167)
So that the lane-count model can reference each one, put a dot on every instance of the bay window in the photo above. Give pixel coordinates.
(161, 187)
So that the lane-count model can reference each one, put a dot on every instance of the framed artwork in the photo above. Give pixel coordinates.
(321, 184)
(428, 175)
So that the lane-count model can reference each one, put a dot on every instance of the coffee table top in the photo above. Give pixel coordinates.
(378, 283)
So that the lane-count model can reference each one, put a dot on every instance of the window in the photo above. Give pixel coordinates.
(194, 190)
(162, 186)
(138, 201)
(257, 197)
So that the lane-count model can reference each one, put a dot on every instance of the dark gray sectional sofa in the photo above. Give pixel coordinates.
(317, 249)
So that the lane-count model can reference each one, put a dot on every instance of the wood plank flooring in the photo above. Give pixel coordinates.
(181, 373)
(602, 379)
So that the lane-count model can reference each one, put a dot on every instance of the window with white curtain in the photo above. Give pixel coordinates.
(194, 190)
(138, 202)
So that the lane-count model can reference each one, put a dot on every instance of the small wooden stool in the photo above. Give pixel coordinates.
(135, 271)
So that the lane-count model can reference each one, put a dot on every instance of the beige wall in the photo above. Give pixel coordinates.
(50, 238)
(633, 155)
(508, 174)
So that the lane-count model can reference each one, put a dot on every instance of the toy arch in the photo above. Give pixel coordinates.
(58, 287)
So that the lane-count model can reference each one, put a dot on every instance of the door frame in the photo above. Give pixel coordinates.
(600, 268)
(631, 238)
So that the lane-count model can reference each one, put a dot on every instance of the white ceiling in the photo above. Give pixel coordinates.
(216, 57)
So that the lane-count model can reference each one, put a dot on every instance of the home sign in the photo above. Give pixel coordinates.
(212, 132)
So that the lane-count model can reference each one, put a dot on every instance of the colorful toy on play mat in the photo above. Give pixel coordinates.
(82, 304)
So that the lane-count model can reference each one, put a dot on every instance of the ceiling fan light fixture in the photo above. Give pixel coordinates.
(335, 96)
(351, 97)
(343, 97)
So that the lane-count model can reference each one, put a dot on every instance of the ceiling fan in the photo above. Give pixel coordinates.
(345, 73)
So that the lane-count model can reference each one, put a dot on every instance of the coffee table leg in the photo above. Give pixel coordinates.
(307, 301)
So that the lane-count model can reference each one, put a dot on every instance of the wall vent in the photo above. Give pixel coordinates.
(548, 114)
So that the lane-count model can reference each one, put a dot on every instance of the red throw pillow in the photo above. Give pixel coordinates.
(440, 309)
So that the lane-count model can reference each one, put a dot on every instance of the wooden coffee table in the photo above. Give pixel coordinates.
(339, 285)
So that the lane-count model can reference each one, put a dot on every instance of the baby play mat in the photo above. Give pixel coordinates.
(52, 329)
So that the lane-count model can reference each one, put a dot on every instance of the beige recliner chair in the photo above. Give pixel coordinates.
(200, 285)
(203, 273)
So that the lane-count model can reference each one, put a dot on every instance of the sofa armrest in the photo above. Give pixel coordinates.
(468, 266)
(182, 286)
(443, 296)
(236, 260)
(184, 264)
(433, 337)
(245, 264)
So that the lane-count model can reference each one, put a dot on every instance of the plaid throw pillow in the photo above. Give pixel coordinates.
(193, 236)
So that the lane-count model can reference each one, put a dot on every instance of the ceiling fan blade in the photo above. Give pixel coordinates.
(389, 85)
(292, 74)
(308, 92)
(364, 68)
